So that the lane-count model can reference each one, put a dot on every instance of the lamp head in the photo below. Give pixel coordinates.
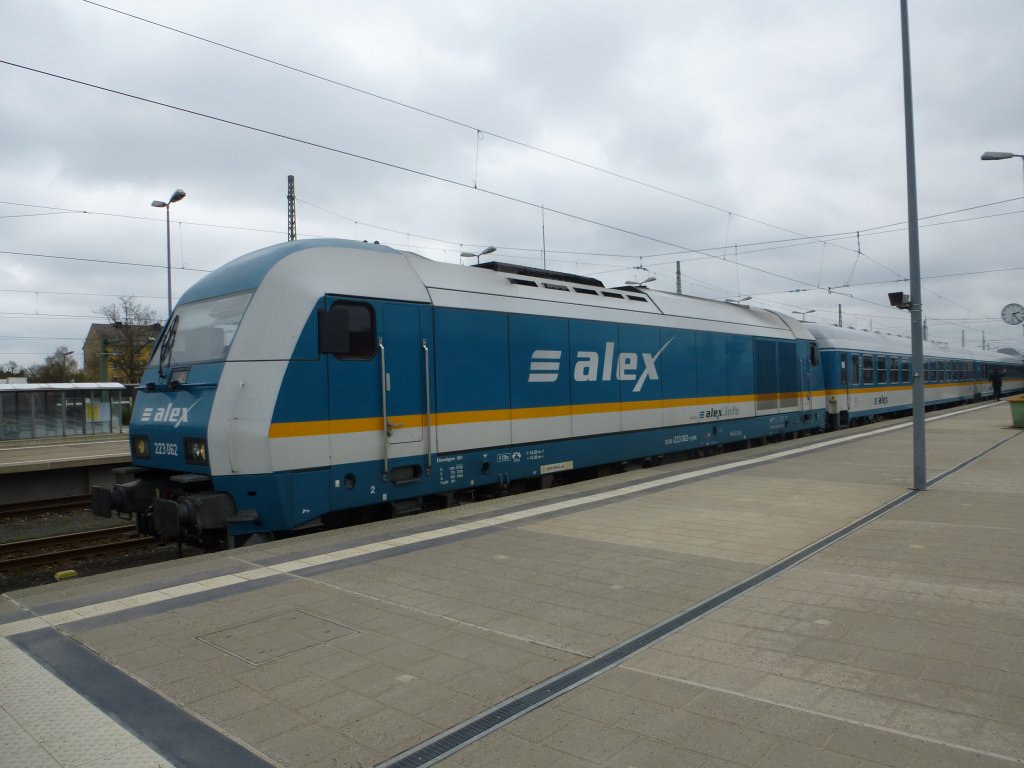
(179, 194)
(158, 204)
(900, 300)
(484, 252)
(997, 156)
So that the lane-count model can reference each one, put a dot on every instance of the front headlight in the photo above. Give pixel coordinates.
(195, 451)
(140, 447)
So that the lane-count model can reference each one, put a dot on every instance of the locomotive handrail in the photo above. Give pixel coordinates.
(426, 383)
(384, 401)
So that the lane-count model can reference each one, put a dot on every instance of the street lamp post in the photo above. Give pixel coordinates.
(1004, 156)
(179, 194)
(64, 363)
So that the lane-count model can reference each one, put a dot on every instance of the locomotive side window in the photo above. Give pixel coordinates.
(347, 331)
(842, 369)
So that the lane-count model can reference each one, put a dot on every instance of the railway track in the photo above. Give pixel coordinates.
(44, 506)
(71, 547)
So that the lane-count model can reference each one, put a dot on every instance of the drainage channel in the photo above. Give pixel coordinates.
(464, 734)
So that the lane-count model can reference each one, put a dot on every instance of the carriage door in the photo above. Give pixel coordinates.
(378, 375)
(807, 377)
(848, 368)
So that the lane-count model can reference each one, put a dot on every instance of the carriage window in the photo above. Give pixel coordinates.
(894, 370)
(905, 365)
(347, 331)
(881, 369)
(869, 370)
(842, 369)
(855, 369)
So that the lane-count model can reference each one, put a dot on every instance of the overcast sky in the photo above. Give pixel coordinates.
(749, 141)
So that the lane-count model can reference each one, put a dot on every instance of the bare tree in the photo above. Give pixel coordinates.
(131, 330)
(11, 368)
(59, 367)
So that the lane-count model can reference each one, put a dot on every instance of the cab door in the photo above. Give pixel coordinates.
(401, 341)
(379, 357)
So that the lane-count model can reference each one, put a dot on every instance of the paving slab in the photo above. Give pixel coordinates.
(899, 644)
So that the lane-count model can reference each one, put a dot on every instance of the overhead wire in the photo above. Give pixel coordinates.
(684, 249)
(346, 153)
(98, 261)
(479, 132)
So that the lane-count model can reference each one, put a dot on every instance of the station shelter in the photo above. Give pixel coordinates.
(33, 411)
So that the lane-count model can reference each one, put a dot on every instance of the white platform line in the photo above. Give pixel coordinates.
(64, 459)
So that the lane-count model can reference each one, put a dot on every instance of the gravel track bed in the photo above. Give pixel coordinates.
(55, 523)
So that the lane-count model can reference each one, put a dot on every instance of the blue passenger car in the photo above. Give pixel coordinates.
(868, 375)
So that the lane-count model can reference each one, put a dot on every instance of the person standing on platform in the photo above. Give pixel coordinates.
(997, 383)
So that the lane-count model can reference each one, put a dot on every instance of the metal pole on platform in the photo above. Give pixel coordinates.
(179, 194)
(916, 331)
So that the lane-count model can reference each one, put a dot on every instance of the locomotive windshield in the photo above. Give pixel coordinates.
(202, 332)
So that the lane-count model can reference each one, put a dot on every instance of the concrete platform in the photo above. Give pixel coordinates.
(664, 617)
(43, 469)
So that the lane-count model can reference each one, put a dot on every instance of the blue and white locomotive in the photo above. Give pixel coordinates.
(303, 382)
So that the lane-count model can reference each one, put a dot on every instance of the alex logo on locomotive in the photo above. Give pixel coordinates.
(545, 365)
(174, 415)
